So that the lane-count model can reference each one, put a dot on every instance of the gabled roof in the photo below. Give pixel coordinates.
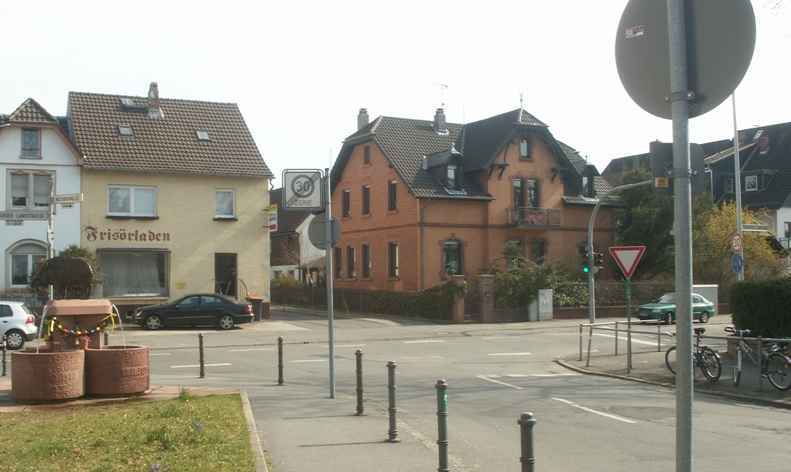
(287, 220)
(573, 156)
(164, 145)
(30, 111)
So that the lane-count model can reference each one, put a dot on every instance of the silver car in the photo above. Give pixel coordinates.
(17, 324)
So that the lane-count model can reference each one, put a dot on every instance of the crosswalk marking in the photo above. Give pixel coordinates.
(595, 412)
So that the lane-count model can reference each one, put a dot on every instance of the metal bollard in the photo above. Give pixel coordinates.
(2, 346)
(760, 343)
(106, 338)
(392, 432)
(359, 370)
(590, 341)
(580, 342)
(442, 425)
(658, 338)
(200, 354)
(616, 338)
(526, 423)
(280, 360)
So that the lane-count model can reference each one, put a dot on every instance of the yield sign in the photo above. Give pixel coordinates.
(627, 258)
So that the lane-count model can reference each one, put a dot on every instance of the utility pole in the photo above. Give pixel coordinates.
(51, 229)
(329, 276)
(737, 183)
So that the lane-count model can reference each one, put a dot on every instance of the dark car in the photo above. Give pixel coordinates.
(664, 309)
(194, 310)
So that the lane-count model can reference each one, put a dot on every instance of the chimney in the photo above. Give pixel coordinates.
(154, 108)
(362, 118)
(440, 125)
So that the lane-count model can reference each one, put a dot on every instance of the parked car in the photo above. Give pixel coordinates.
(664, 309)
(194, 310)
(17, 324)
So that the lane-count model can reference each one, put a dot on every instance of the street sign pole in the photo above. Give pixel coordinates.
(737, 183)
(628, 287)
(329, 277)
(679, 100)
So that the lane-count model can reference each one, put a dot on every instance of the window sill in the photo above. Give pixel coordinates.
(392, 212)
(394, 279)
(130, 217)
(226, 218)
(30, 156)
(366, 215)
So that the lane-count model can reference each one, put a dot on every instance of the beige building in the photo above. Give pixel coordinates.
(176, 197)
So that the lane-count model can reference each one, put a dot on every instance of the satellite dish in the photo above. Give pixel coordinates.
(721, 41)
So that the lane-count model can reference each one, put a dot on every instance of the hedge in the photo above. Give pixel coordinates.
(763, 307)
(434, 303)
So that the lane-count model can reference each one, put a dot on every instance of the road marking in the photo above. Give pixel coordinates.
(506, 354)
(498, 382)
(418, 358)
(519, 376)
(252, 349)
(623, 338)
(193, 366)
(504, 338)
(304, 361)
(424, 341)
(154, 354)
(349, 345)
(595, 412)
(380, 321)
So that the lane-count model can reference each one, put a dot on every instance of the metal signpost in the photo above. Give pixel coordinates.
(669, 58)
(309, 189)
(627, 258)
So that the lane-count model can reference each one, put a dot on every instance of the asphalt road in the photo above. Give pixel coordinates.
(494, 373)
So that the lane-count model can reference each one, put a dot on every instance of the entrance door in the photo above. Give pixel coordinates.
(225, 274)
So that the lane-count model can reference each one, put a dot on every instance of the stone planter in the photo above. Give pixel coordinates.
(116, 371)
(47, 376)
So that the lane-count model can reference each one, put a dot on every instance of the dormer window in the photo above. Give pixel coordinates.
(751, 183)
(126, 131)
(450, 178)
(31, 142)
(524, 149)
(203, 135)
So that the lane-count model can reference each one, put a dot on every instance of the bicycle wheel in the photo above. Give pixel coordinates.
(710, 364)
(670, 360)
(778, 371)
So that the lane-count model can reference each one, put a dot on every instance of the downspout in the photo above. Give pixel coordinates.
(421, 275)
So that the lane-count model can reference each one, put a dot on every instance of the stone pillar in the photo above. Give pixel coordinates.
(486, 290)
(458, 302)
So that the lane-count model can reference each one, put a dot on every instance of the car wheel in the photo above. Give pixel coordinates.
(153, 322)
(226, 322)
(14, 340)
(704, 317)
(669, 318)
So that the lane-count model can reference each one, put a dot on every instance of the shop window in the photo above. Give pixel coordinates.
(366, 250)
(129, 273)
(367, 155)
(25, 260)
(346, 203)
(524, 149)
(392, 260)
(31, 143)
(225, 204)
(131, 201)
(392, 195)
(350, 269)
(29, 190)
(366, 199)
(452, 257)
(338, 262)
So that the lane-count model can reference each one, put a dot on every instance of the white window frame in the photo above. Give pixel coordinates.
(233, 211)
(31, 189)
(13, 252)
(524, 149)
(24, 154)
(750, 183)
(132, 210)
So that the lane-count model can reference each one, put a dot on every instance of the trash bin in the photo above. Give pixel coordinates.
(258, 307)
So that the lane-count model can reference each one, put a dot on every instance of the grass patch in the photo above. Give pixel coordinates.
(184, 434)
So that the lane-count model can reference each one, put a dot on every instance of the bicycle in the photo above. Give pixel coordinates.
(774, 363)
(703, 357)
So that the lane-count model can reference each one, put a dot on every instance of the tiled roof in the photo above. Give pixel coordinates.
(601, 186)
(168, 144)
(481, 140)
(573, 156)
(287, 220)
(31, 112)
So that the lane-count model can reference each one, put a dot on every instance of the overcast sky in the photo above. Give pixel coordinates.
(300, 70)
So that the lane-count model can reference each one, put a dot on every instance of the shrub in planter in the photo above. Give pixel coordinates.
(762, 307)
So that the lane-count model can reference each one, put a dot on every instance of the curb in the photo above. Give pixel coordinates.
(733, 396)
(255, 438)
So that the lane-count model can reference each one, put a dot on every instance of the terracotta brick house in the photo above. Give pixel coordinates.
(422, 200)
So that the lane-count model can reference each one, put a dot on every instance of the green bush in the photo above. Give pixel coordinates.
(762, 307)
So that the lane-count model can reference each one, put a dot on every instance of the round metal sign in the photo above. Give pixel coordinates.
(317, 232)
(720, 38)
(302, 186)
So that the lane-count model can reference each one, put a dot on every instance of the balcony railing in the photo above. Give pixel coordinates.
(529, 217)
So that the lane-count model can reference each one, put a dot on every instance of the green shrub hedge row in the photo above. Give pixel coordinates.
(763, 307)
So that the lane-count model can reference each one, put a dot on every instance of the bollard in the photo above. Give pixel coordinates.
(2, 346)
(359, 369)
(581, 342)
(760, 343)
(280, 360)
(526, 423)
(200, 354)
(590, 341)
(106, 338)
(442, 425)
(616, 338)
(658, 338)
(392, 432)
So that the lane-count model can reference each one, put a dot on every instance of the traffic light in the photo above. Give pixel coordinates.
(582, 248)
(662, 166)
(598, 259)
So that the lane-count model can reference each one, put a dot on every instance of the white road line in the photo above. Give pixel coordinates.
(193, 366)
(595, 412)
(155, 354)
(424, 341)
(507, 354)
(519, 376)
(418, 358)
(304, 361)
(252, 349)
(623, 338)
(503, 338)
(349, 345)
(498, 382)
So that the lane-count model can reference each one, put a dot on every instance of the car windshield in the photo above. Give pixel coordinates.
(667, 298)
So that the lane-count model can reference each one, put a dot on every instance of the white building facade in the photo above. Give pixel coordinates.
(35, 153)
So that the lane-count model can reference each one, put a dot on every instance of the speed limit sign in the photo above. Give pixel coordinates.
(302, 189)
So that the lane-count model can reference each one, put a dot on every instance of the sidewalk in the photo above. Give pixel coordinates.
(650, 367)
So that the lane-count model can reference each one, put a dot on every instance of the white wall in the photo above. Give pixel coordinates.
(57, 157)
(782, 215)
